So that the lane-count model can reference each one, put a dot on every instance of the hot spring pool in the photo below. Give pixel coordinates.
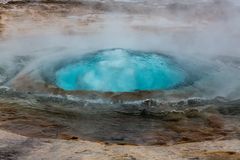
(120, 70)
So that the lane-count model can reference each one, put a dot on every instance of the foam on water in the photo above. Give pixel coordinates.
(120, 70)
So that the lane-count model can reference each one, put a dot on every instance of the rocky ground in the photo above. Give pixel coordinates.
(19, 147)
(61, 128)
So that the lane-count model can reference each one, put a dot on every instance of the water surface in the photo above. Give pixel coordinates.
(121, 70)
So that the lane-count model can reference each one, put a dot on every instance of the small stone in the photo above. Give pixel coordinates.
(174, 116)
(215, 121)
(192, 113)
(149, 103)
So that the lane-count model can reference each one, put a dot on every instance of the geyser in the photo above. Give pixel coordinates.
(121, 70)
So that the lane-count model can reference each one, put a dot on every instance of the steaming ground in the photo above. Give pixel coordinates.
(39, 38)
(200, 36)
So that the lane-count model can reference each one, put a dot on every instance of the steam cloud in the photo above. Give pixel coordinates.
(202, 35)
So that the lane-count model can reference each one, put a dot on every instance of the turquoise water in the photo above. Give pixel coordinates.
(120, 70)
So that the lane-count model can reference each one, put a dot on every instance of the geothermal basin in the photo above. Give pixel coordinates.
(120, 80)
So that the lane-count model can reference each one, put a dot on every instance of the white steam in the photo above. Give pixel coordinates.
(198, 34)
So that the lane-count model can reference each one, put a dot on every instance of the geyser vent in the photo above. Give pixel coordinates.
(121, 70)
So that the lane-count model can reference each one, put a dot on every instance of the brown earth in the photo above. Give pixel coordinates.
(13, 147)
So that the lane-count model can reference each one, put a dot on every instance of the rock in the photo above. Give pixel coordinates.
(174, 116)
(230, 110)
(195, 102)
(192, 113)
(68, 137)
(149, 103)
(215, 121)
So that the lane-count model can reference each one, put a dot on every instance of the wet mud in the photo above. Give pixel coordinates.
(139, 125)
